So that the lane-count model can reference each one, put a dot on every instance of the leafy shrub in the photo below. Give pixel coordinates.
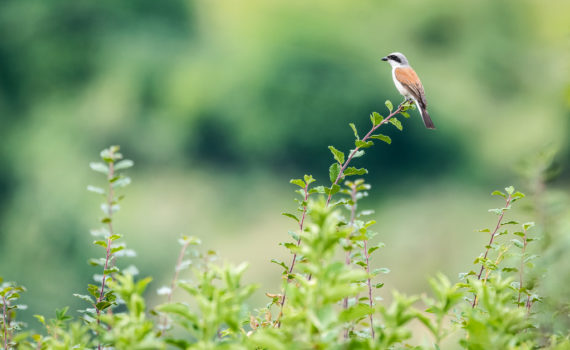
(325, 302)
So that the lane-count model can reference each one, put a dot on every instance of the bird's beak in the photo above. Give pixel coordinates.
(384, 58)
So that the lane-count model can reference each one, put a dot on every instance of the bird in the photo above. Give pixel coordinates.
(408, 84)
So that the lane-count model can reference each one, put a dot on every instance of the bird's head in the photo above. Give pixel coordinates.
(396, 59)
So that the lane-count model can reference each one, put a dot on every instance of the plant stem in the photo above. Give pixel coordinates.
(353, 152)
(290, 271)
(368, 281)
(4, 322)
(110, 197)
(521, 268)
(175, 279)
(508, 201)
(347, 258)
(340, 175)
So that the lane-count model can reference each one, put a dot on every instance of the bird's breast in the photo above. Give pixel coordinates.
(403, 91)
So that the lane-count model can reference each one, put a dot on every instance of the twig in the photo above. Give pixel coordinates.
(290, 271)
(340, 175)
(367, 256)
(347, 258)
(353, 152)
(110, 197)
(522, 267)
(175, 278)
(109, 241)
(508, 201)
(4, 322)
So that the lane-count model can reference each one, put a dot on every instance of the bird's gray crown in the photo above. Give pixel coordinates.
(398, 57)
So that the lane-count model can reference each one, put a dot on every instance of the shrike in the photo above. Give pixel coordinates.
(408, 84)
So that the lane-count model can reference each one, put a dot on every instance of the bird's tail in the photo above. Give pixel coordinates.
(425, 116)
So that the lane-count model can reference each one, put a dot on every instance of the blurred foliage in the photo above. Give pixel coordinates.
(215, 313)
(208, 92)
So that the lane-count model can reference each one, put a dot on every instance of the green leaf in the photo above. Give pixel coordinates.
(396, 123)
(124, 164)
(363, 144)
(95, 189)
(517, 243)
(384, 270)
(389, 105)
(101, 243)
(178, 309)
(338, 155)
(122, 182)
(41, 319)
(517, 195)
(499, 193)
(384, 138)
(102, 305)
(318, 189)
(510, 189)
(354, 130)
(376, 118)
(405, 114)
(61, 314)
(334, 171)
(289, 215)
(309, 179)
(96, 262)
(354, 171)
(86, 298)
(114, 237)
(294, 235)
(118, 248)
(280, 263)
(111, 270)
(528, 225)
(298, 182)
(374, 248)
(379, 285)
(189, 240)
(357, 154)
(93, 290)
(332, 190)
(355, 313)
(99, 167)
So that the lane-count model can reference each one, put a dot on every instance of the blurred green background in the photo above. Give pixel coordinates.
(220, 103)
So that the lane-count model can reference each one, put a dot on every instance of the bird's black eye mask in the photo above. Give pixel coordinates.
(395, 58)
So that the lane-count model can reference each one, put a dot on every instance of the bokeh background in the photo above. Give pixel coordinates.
(220, 103)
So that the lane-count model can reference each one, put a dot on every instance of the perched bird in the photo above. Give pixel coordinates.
(408, 84)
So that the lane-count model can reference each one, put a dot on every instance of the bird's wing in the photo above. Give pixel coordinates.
(409, 79)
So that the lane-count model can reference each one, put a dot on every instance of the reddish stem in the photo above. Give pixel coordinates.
(340, 175)
(521, 268)
(290, 271)
(110, 196)
(353, 152)
(176, 273)
(367, 256)
(347, 259)
(508, 201)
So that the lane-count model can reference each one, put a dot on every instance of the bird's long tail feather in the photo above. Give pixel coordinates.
(425, 116)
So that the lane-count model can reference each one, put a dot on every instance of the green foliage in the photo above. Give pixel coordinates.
(325, 302)
(220, 309)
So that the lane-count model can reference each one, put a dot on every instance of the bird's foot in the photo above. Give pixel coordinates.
(405, 102)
